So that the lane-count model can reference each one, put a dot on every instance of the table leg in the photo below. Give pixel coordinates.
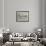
(13, 42)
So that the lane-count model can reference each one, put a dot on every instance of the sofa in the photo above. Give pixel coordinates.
(23, 37)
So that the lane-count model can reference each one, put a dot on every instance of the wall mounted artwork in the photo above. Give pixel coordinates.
(22, 16)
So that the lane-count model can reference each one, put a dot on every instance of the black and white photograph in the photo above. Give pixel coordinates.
(22, 22)
(22, 16)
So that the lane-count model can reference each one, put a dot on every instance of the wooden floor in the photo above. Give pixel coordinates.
(23, 44)
(18, 45)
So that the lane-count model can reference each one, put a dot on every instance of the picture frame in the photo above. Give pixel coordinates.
(22, 16)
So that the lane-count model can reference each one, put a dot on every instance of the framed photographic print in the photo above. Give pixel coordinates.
(22, 16)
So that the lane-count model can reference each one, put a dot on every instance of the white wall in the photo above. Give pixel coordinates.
(1, 14)
(35, 14)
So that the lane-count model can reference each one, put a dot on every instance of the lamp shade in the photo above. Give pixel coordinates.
(39, 29)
